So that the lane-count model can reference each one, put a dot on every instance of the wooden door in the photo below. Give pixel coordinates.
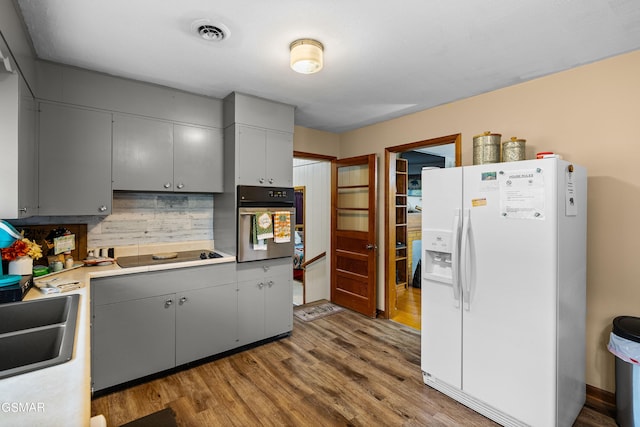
(353, 234)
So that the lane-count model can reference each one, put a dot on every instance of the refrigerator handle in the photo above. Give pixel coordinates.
(455, 259)
(464, 257)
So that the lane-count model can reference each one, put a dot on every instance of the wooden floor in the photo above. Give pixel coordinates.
(344, 369)
(409, 306)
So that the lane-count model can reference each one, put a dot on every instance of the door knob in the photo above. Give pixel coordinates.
(371, 246)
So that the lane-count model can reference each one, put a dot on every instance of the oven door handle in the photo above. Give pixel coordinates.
(266, 210)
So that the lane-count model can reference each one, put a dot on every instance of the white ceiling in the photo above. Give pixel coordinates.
(383, 59)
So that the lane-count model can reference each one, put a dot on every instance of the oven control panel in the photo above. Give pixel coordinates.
(249, 195)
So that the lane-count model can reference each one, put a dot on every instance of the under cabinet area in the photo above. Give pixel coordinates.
(156, 155)
(265, 293)
(145, 323)
(74, 161)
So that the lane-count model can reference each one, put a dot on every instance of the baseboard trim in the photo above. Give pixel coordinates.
(601, 401)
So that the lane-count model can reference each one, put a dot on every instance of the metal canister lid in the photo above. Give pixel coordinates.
(487, 137)
(515, 140)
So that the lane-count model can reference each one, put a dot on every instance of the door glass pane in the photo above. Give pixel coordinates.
(357, 198)
(353, 220)
(353, 175)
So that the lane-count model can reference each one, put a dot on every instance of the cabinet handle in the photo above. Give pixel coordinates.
(23, 210)
(270, 283)
(167, 185)
(102, 208)
(261, 285)
(271, 180)
(261, 180)
(180, 186)
(183, 300)
(265, 268)
(168, 302)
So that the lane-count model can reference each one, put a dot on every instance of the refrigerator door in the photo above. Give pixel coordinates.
(441, 358)
(510, 291)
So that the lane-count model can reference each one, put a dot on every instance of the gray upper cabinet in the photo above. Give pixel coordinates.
(198, 159)
(74, 161)
(264, 157)
(19, 174)
(142, 154)
(154, 155)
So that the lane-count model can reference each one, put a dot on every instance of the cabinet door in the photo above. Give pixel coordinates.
(197, 159)
(278, 306)
(251, 311)
(142, 154)
(27, 154)
(206, 322)
(279, 159)
(250, 150)
(74, 161)
(132, 339)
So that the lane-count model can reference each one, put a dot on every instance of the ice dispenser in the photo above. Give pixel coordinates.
(437, 246)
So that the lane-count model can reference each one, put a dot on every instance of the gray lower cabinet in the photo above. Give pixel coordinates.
(206, 322)
(148, 322)
(132, 339)
(265, 296)
(74, 167)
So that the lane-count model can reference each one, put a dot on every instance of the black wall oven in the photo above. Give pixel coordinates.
(266, 223)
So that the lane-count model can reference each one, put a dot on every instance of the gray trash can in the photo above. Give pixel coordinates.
(625, 344)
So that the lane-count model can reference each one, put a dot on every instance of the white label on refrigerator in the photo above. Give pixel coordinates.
(570, 202)
(522, 194)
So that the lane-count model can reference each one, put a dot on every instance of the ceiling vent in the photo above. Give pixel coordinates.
(209, 31)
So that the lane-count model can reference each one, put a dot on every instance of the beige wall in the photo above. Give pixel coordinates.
(589, 115)
(316, 141)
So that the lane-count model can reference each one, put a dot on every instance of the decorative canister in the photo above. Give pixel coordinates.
(486, 148)
(513, 150)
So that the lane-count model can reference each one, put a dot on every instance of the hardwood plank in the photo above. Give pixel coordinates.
(343, 369)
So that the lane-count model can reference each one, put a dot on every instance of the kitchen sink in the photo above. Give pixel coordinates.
(37, 334)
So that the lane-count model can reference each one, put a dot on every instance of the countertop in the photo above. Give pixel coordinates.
(61, 395)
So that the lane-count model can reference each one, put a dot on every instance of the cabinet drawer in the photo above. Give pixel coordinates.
(260, 269)
(109, 290)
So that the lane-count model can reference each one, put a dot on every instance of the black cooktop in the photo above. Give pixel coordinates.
(143, 260)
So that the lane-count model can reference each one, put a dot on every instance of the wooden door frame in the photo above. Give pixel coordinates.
(302, 189)
(390, 212)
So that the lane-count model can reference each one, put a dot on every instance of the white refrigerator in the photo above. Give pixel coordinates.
(504, 289)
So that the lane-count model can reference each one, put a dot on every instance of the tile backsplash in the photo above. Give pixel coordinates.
(144, 218)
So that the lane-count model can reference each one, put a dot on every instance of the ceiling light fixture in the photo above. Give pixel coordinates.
(306, 56)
